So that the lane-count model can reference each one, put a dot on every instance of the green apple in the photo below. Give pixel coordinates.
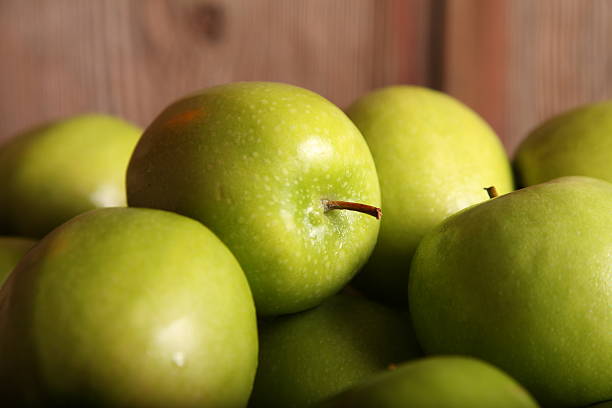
(607, 404)
(437, 382)
(308, 357)
(260, 164)
(11, 251)
(434, 156)
(576, 143)
(127, 307)
(56, 171)
(524, 281)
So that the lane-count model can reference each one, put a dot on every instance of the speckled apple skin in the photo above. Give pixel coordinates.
(11, 251)
(575, 143)
(524, 281)
(127, 308)
(252, 161)
(58, 170)
(434, 157)
(307, 357)
(437, 382)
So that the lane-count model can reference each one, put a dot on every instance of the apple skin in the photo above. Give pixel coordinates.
(434, 156)
(11, 251)
(575, 143)
(56, 171)
(126, 307)
(310, 356)
(524, 281)
(437, 382)
(252, 161)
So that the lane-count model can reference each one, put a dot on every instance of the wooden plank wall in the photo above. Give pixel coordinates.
(518, 62)
(514, 61)
(133, 57)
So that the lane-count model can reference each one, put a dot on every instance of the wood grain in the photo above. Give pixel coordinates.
(131, 58)
(402, 50)
(560, 57)
(475, 55)
(518, 62)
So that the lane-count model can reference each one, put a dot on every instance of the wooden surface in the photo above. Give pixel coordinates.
(561, 57)
(476, 42)
(516, 62)
(131, 57)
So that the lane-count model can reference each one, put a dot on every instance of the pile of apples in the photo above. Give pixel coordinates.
(251, 265)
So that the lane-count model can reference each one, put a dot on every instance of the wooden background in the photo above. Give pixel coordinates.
(516, 62)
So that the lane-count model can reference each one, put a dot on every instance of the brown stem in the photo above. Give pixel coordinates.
(492, 191)
(347, 205)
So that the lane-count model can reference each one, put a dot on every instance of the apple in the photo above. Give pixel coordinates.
(436, 382)
(524, 281)
(310, 356)
(433, 156)
(575, 143)
(127, 307)
(56, 171)
(11, 250)
(272, 169)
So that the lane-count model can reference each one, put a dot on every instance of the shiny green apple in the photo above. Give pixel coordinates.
(258, 164)
(434, 156)
(310, 356)
(437, 382)
(524, 281)
(575, 143)
(56, 171)
(126, 307)
(11, 251)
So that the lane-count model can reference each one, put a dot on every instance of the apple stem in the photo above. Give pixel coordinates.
(492, 191)
(347, 205)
